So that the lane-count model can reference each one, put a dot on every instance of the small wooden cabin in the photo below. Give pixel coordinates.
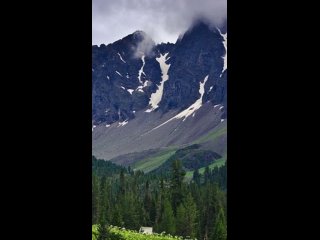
(147, 230)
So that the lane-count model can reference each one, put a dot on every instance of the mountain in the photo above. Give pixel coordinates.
(149, 98)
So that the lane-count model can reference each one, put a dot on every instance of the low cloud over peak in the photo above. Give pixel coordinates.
(162, 20)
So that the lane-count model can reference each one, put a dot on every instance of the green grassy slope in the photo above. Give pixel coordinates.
(150, 163)
(220, 162)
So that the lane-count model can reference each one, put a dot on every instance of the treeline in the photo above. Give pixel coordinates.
(105, 168)
(169, 204)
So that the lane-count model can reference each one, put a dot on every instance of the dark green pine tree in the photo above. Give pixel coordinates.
(208, 210)
(117, 217)
(147, 203)
(196, 176)
(220, 228)
(153, 212)
(95, 199)
(158, 209)
(168, 221)
(176, 184)
(131, 211)
(102, 231)
(122, 183)
(186, 218)
(104, 215)
(206, 175)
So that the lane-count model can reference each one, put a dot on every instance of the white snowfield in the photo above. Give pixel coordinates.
(157, 96)
(190, 110)
(225, 47)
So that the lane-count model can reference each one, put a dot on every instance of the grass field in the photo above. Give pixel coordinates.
(220, 162)
(150, 163)
(133, 235)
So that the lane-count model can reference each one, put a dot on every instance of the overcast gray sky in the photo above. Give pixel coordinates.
(163, 20)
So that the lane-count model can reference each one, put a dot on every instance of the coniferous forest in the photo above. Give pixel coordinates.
(167, 202)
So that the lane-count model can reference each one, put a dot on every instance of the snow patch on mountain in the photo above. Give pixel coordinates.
(130, 91)
(139, 89)
(157, 96)
(146, 83)
(141, 69)
(190, 110)
(121, 124)
(225, 47)
(121, 58)
(142, 85)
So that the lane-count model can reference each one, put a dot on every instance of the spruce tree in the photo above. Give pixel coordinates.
(177, 176)
(95, 199)
(180, 221)
(220, 229)
(102, 231)
(168, 221)
(206, 175)
(196, 176)
(117, 217)
(104, 203)
(122, 183)
(186, 217)
(147, 203)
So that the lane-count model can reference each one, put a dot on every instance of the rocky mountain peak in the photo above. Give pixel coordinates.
(127, 75)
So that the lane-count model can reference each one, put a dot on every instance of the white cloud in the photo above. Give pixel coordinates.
(163, 20)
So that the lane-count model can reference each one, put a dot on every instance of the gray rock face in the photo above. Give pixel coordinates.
(126, 73)
(197, 54)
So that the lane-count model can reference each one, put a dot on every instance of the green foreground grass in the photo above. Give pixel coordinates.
(133, 235)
